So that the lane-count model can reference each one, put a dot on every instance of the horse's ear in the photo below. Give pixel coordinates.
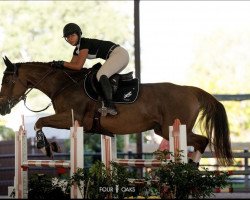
(9, 64)
(4, 61)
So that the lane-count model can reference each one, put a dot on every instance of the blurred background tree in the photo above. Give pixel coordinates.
(6, 133)
(32, 30)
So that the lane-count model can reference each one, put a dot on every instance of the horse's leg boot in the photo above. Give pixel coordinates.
(43, 144)
(109, 106)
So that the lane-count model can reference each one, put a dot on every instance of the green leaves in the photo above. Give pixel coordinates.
(174, 180)
(183, 180)
(42, 187)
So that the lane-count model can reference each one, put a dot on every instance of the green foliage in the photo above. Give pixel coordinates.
(42, 187)
(7, 133)
(98, 176)
(181, 180)
(171, 180)
(120, 176)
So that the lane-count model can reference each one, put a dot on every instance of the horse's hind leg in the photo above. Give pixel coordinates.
(199, 143)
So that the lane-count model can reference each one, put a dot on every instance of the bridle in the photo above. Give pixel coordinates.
(24, 96)
(12, 101)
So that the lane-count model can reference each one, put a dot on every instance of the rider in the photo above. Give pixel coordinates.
(116, 57)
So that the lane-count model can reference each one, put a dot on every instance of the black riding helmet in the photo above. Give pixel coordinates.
(71, 28)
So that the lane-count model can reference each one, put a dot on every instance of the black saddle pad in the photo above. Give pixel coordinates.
(127, 90)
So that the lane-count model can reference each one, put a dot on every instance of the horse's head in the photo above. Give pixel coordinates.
(20, 78)
(12, 87)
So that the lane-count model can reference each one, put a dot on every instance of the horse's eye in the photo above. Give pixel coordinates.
(6, 81)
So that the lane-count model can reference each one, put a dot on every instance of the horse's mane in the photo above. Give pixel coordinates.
(48, 64)
(33, 63)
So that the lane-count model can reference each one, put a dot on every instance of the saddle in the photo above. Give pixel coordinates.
(125, 90)
(125, 87)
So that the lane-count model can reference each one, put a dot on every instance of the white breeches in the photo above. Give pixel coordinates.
(116, 62)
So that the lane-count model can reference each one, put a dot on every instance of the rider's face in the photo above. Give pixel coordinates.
(72, 39)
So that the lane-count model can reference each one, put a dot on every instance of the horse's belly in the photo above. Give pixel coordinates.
(128, 124)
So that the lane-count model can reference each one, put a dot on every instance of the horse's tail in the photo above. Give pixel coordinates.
(215, 120)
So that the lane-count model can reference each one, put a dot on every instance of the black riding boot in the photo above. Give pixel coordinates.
(108, 106)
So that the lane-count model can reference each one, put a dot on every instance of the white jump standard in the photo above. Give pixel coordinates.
(177, 142)
(22, 163)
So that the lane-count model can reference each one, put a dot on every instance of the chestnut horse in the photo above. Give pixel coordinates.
(157, 106)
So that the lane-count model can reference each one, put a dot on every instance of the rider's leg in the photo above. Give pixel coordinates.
(116, 62)
(109, 106)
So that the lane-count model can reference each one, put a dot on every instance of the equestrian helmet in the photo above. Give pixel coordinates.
(71, 28)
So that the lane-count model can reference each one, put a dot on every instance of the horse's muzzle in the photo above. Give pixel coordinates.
(5, 106)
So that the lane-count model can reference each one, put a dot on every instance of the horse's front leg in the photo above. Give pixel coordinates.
(59, 121)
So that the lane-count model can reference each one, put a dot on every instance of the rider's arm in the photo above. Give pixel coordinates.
(77, 61)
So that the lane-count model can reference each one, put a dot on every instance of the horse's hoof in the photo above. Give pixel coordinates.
(49, 152)
(55, 147)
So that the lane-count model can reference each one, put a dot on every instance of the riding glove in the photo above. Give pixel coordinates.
(57, 64)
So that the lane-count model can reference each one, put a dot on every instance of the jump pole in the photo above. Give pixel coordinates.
(22, 163)
(177, 142)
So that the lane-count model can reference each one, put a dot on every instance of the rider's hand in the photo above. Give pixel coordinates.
(57, 64)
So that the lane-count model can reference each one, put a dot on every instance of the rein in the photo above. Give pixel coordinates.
(55, 94)
(24, 96)
(66, 86)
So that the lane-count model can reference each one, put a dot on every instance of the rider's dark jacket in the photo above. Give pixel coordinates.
(97, 48)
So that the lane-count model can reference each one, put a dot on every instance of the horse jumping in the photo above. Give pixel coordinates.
(156, 107)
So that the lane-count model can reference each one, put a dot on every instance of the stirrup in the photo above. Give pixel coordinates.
(103, 110)
(112, 111)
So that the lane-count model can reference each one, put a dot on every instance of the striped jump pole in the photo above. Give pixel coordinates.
(177, 142)
(22, 163)
(140, 163)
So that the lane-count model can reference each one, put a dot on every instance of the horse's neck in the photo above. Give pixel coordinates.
(42, 77)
